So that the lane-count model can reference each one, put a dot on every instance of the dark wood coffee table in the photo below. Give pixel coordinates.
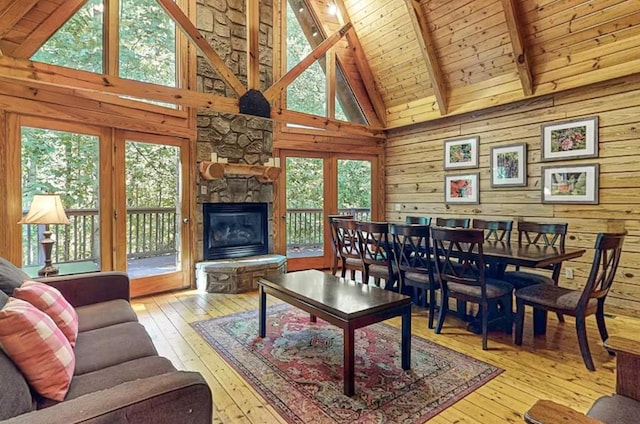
(343, 303)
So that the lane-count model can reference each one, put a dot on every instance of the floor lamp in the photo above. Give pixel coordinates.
(46, 209)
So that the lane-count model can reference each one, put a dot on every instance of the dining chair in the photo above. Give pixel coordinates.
(538, 234)
(333, 230)
(453, 222)
(420, 220)
(348, 249)
(461, 274)
(579, 303)
(494, 230)
(412, 251)
(376, 252)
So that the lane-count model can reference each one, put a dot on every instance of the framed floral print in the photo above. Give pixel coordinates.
(573, 139)
(570, 184)
(509, 165)
(463, 188)
(461, 153)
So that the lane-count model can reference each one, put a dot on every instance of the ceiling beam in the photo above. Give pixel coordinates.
(363, 66)
(425, 41)
(46, 29)
(312, 57)
(92, 85)
(253, 48)
(519, 50)
(13, 12)
(196, 37)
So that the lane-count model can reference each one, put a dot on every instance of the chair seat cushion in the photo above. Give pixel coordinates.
(551, 296)
(381, 271)
(520, 279)
(104, 314)
(354, 263)
(615, 409)
(495, 288)
(416, 277)
(108, 346)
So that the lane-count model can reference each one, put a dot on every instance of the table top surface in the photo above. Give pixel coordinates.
(529, 255)
(347, 298)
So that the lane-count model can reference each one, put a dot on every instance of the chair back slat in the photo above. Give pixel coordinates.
(453, 222)
(543, 234)
(494, 230)
(607, 252)
(373, 242)
(459, 256)
(411, 247)
(347, 238)
(420, 220)
(333, 230)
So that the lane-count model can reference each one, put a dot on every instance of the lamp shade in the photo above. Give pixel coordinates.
(45, 209)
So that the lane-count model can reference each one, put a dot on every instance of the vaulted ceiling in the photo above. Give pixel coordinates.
(418, 60)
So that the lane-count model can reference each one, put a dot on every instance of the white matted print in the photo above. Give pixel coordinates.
(461, 153)
(509, 165)
(570, 184)
(463, 188)
(573, 139)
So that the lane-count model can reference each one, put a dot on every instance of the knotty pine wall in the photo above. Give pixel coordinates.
(414, 179)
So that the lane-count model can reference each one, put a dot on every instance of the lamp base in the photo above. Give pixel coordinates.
(47, 270)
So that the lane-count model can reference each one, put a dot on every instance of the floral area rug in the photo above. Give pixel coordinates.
(298, 369)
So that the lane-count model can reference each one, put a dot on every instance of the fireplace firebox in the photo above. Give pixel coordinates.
(235, 230)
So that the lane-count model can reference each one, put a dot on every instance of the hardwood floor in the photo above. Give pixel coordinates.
(548, 367)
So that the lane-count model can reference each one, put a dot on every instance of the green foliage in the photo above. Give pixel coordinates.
(152, 175)
(354, 184)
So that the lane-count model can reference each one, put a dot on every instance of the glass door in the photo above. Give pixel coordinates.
(152, 216)
(317, 185)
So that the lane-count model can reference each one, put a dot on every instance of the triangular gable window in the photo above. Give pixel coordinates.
(308, 93)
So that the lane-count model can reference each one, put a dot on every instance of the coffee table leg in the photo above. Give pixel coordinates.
(406, 338)
(349, 374)
(313, 318)
(262, 312)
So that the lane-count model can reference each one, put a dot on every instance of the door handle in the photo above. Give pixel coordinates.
(185, 220)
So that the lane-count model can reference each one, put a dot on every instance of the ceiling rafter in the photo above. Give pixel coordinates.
(13, 12)
(519, 48)
(309, 60)
(196, 37)
(363, 65)
(425, 41)
(46, 29)
(253, 47)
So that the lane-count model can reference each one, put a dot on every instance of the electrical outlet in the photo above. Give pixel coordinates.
(568, 273)
(203, 189)
(398, 207)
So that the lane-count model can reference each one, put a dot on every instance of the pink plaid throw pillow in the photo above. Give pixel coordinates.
(51, 302)
(38, 347)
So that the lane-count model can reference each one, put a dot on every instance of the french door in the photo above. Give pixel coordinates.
(123, 192)
(317, 184)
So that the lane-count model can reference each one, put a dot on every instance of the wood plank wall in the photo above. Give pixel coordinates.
(415, 176)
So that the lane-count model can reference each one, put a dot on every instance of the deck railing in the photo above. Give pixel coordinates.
(152, 232)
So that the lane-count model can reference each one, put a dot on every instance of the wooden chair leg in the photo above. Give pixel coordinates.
(485, 324)
(444, 301)
(519, 322)
(581, 329)
(334, 265)
(560, 317)
(432, 304)
(508, 314)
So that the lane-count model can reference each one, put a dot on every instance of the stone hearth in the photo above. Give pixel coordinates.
(238, 275)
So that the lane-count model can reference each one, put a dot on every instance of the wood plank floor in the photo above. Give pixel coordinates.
(548, 367)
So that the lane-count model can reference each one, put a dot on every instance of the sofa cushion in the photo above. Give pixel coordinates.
(49, 300)
(108, 346)
(37, 346)
(104, 314)
(615, 409)
(11, 276)
(112, 376)
(15, 396)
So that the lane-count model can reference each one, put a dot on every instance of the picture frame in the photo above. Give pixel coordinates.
(462, 188)
(570, 184)
(509, 165)
(461, 153)
(573, 139)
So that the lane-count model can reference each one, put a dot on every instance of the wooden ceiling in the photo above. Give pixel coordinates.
(419, 60)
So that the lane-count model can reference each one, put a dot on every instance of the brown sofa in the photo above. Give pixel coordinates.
(623, 407)
(118, 378)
